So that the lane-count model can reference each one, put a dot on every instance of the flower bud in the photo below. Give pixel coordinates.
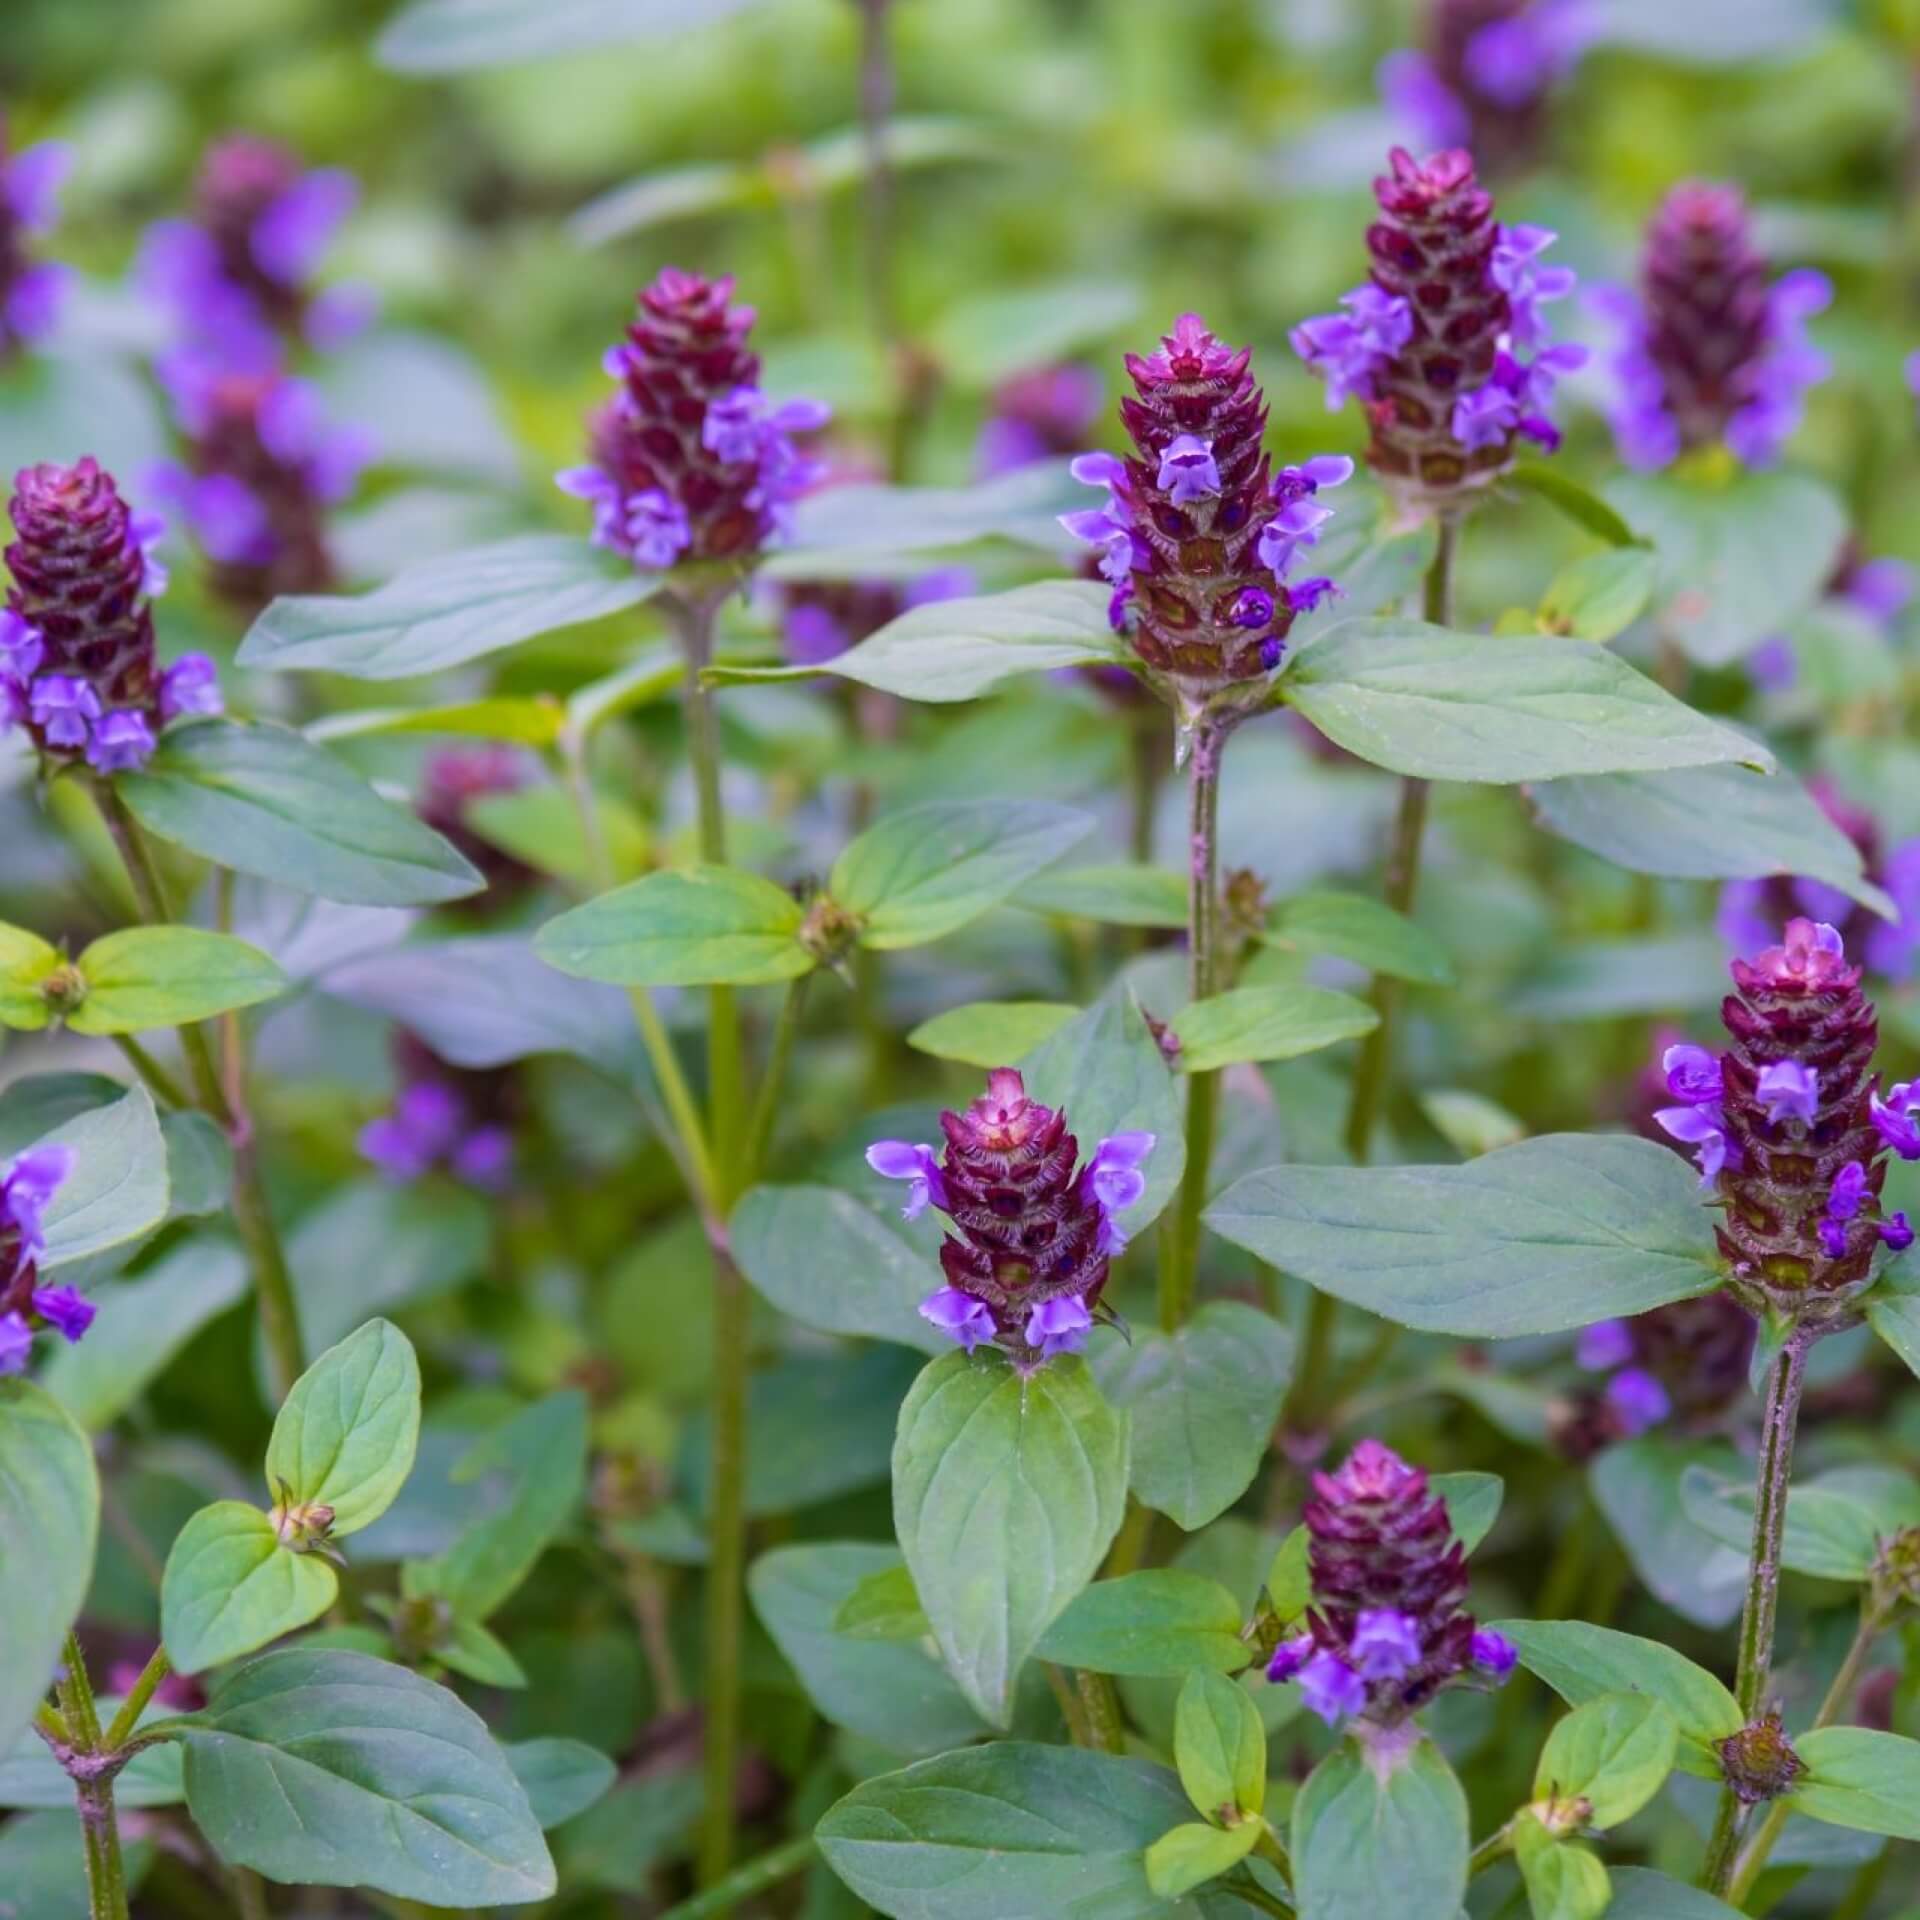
(1759, 1761)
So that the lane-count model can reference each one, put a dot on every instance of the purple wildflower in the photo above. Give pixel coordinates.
(1604, 1345)
(1702, 1127)
(1060, 1325)
(960, 1316)
(1493, 1653)
(919, 1165)
(1693, 1074)
(1788, 1090)
(65, 1309)
(1041, 415)
(32, 291)
(1289, 1657)
(1331, 1688)
(122, 742)
(1385, 1643)
(1896, 1118)
(16, 1343)
(190, 685)
(444, 1118)
(1897, 1231)
(1637, 1399)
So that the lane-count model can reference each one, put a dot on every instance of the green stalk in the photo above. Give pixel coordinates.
(135, 1704)
(93, 1792)
(766, 1106)
(1180, 1236)
(1101, 1704)
(160, 1083)
(266, 1258)
(744, 1882)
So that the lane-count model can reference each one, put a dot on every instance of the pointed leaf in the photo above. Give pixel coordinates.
(1370, 1842)
(1266, 1023)
(1117, 896)
(1352, 927)
(560, 1777)
(1614, 1752)
(147, 977)
(1193, 1853)
(1163, 1621)
(691, 926)
(26, 964)
(1565, 1881)
(119, 1187)
(1219, 1746)
(1835, 1523)
(1858, 1778)
(989, 1033)
(884, 1606)
(1473, 1503)
(346, 1436)
(229, 1587)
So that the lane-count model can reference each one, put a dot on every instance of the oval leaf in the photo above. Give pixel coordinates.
(1369, 1843)
(1219, 1746)
(1195, 1853)
(1007, 1491)
(990, 1032)
(1370, 934)
(165, 976)
(229, 1587)
(560, 1777)
(346, 1436)
(26, 963)
(1615, 1752)
(119, 1186)
(337, 1770)
(1549, 1234)
(689, 927)
(1266, 1023)
(1163, 1621)
(1861, 1779)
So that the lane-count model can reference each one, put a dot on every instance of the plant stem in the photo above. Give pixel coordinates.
(93, 1792)
(767, 1105)
(1072, 1710)
(1773, 1474)
(744, 1882)
(266, 1259)
(1872, 1620)
(1494, 1847)
(160, 1083)
(1180, 1237)
(1130, 1544)
(1102, 1707)
(135, 1704)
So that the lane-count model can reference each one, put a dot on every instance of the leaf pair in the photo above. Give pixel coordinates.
(129, 981)
(1220, 1749)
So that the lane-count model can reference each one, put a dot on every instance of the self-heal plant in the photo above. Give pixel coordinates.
(1033, 1230)
(78, 670)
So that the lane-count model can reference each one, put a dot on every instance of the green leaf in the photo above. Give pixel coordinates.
(1007, 1491)
(1737, 561)
(1568, 497)
(1861, 1779)
(689, 927)
(892, 1692)
(1193, 1853)
(1706, 823)
(1162, 1621)
(472, 1652)
(26, 963)
(1116, 896)
(1470, 1123)
(1371, 935)
(989, 1033)
(1536, 1238)
(31, 1777)
(918, 875)
(1014, 1831)
(1421, 700)
(1640, 1894)
(884, 1606)
(1203, 1401)
(1266, 1023)
(118, 1189)
(544, 1447)
(1219, 1746)
(1565, 1881)
(446, 611)
(522, 721)
(1377, 559)
(540, 827)
(1368, 1843)
(346, 1436)
(337, 1770)
(1835, 1523)
(43, 1865)
(560, 1778)
(1893, 1312)
(1614, 1752)
(1473, 1503)
(265, 801)
(1581, 1663)
(1636, 1485)
(1599, 596)
(987, 338)
(826, 1260)
(146, 1323)
(960, 649)
(229, 1587)
(1290, 1579)
(165, 976)
(1106, 1070)
(49, 1520)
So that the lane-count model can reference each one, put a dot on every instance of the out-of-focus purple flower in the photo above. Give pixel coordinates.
(1897, 1231)
(1331, 1688)
(63, 707)
(960, 1316)
(1693, 1074)
(1896, 1118)
(190, 685)
(1494, 1654)
(1637, 1399)
(1604, 1345)
(65, 1309)
(16, 1343)
(484, 1159)
(1289, 1657)
(1058, 1326)
(443, 1118)
(918, 1165)
(121, 742)
(1040, 415)
(1788, 1090)
(291, 234)
(32, 292)
(1702, 1127)
(27, 1183)
(1385, 1643)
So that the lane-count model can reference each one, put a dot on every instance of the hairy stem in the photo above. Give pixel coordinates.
(1773, 1475)
(135, 1704)
(1180, 1237)
(745, 1881)
(92, 1790)
(1101, 1704)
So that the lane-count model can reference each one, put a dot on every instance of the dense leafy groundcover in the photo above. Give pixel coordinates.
(1043, 1116)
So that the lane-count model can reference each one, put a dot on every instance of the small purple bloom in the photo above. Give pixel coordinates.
(1254, 608)
(1347, 349)
(1059, 1326)
(1308, 594)
(63, 706)
(1833, 1239)
(27, 1183)
(1114, 1171)
(1385, 1644)
(1604, 1345)
(1849, 1191)
(1289, 1657)
(1331, 1688)
(734, 424)
(190, 685)
(1515, 268)
(421, 1130)
(1485, 417)
(1411, 89)
(16, 1343)
(656, 530)
(1702, 1127)
(1788, 1090)
(22, 646)
(967, 1320)
(1693, 1075)
(291, 237)
(1897, 1118)
(484, 1159)
(1493, 1653)
(122, 742)
(31, 183)
(1897, 1231)
(1637, 1399)
(1188, 470)
(900, 1160)
(66, 1309)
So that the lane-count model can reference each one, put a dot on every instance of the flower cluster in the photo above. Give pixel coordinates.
(263, 465)
(1041, 415)
(691, 460)
(1710, 348)
(1446, 345)
(1685, 1361)
(451, 782)
(27, 1183)
(1033, 1232)
(444, 1118)
(1750, 909)
(1486, 75)
(1388, 1627)
(31, 291)
(1199, 536)
(77, 665)
(237, 277)
(1788, 1124)
(821, 619)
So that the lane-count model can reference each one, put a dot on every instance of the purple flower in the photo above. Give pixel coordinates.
(1892, 947)
(1116, 1180)
(27, 1183)
(1331, 1688)
(1493, 1653)
(1897, 1118)
(190, 685)
(1187, 470)
(655, 531)
(484, 1159)
(1702, 1127)
(1693, 1075)
(16, 1343)
(291, 237)
(1059, 1325)
(960, 1315)
(62, 706)
(1348, 349)
(1833, 1239)
(1385, 1643)
(1849, 1191)
(1486, 417)
(1297, 525)
(1897, 1231)
(1638, 1400)
(22, 647)
(1289, 1657)
(1788, 1090)
(733, 424)
(1516, 270)
(1412, 90)
(68, 1311)
(422, 1129)
(31, 183)
(122, 742)
(920, 1165)
(1604, 1345)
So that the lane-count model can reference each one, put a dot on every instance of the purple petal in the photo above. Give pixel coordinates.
(68, 1311)
(293, 234)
